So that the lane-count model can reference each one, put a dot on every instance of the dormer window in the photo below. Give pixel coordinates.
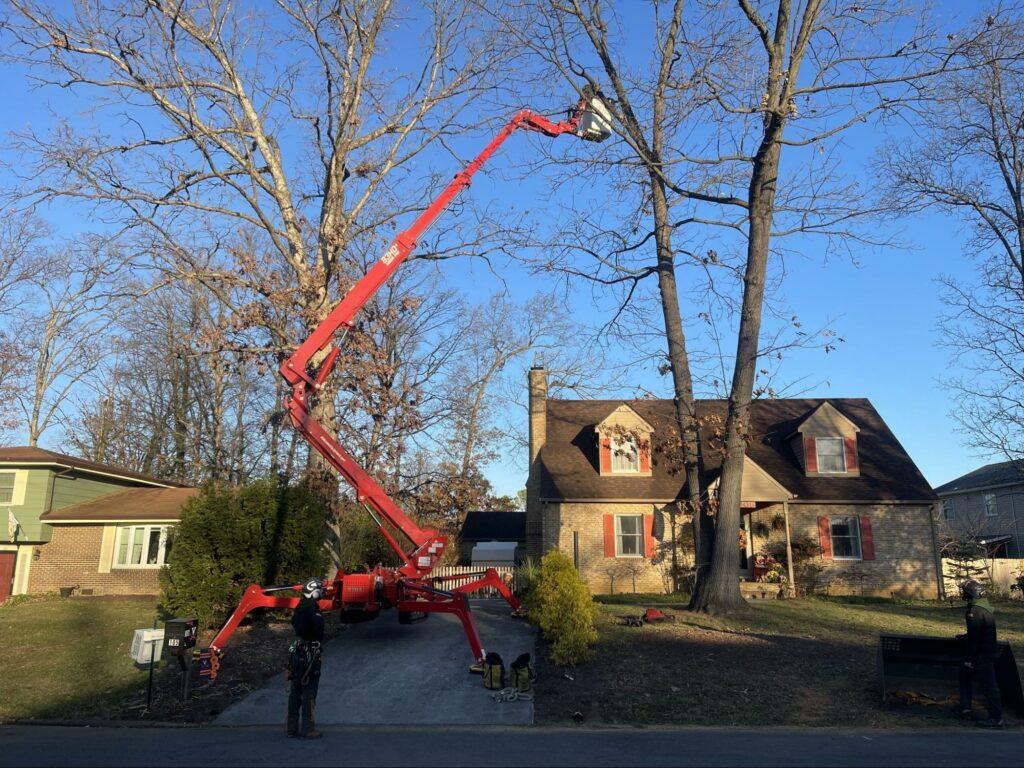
(624, 443)
(831, 455)
(825, 443)
(625, 456)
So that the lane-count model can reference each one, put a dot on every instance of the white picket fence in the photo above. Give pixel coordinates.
(1001, 572)
(472, 572)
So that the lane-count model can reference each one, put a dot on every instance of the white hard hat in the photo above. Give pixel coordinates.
(314, 588)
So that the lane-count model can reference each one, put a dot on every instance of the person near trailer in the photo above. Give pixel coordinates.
(304, 662)
(981, 651)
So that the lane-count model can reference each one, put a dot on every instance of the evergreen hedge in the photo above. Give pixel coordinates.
(230, 537)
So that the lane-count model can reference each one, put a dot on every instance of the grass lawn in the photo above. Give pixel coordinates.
(784, 662)
(69, 658)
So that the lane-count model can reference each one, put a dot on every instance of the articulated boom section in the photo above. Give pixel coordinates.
(409, 587)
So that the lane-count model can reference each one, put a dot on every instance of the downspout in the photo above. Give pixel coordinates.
(932, 512)
(49, 490)
(1016, 526)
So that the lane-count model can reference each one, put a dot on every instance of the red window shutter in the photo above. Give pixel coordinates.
(645, 457)
(606, 455)
(810, 455)
(609, 535)
(850, 446)
(650, 543)
(825, 537)
(867, 540)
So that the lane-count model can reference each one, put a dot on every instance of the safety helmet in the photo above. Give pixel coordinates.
(313, 589)
(971, 590)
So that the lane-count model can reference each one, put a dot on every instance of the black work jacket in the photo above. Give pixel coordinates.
(981, 633)
(307, 621)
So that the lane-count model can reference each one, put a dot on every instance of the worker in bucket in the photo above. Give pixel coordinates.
(304, 662)
(979, 657)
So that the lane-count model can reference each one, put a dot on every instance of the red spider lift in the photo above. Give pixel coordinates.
(409, 587)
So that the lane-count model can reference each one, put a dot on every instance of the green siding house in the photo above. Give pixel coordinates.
(72, 523)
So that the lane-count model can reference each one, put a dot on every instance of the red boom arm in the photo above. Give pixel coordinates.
(306, 378)
(405, 588)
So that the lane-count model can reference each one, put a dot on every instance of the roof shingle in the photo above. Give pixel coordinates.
(569, 460)
(990, 475)
(130, 504)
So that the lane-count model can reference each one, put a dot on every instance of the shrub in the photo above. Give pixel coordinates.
(562, 607)
(231, 537)
(527, 575)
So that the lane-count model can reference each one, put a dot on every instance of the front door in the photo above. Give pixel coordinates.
(6, 574)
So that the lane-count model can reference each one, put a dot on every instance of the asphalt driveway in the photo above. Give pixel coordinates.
(385, 673)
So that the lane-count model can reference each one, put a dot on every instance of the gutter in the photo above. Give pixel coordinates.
(70, 467)
(977, 489)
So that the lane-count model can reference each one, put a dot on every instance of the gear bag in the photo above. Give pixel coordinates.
(522, 674)
(494, 672)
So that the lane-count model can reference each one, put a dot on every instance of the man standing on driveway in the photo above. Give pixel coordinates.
(980, 658)
(304, 662)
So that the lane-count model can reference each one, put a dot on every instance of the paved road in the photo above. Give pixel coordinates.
(504, 746)
(385, 673)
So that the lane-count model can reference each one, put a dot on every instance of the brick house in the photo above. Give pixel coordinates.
(987, 505)
(76, 523)
(825, 473)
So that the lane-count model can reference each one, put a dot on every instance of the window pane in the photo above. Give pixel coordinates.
(630, 535)
(168, 540)
(123, 534)
(990, 504)
(831, 454)
(630, 545)
(624, 456)
(845, 537)
(153, 549)
(629, 524)
(138, 533)
(6, 487)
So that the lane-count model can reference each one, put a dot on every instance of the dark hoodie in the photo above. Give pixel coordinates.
(981, 631)
(307, 621)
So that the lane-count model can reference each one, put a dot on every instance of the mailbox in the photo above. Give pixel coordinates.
(180, 636)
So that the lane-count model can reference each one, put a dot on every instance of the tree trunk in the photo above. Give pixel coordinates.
(679, 362)
(720, 592)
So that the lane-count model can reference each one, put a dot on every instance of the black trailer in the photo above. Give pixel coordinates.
(920, 669)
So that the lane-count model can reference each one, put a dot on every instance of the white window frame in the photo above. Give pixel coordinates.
(856, 537)
(619, 449)
(14, 487)
(991, 505)
(163, 531)
(842, 455)
(949, 509)
(619, 534)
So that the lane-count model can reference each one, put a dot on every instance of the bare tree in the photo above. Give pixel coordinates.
(282, 123)
(178, 396)
(62, 329)
(702, 125)
(969, 161)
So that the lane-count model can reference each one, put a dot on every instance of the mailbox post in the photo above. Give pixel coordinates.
(179, 640)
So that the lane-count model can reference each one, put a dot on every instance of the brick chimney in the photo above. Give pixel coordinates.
(538, 407)
(538, 378)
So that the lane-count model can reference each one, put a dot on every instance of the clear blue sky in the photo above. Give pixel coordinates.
(885, 307)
